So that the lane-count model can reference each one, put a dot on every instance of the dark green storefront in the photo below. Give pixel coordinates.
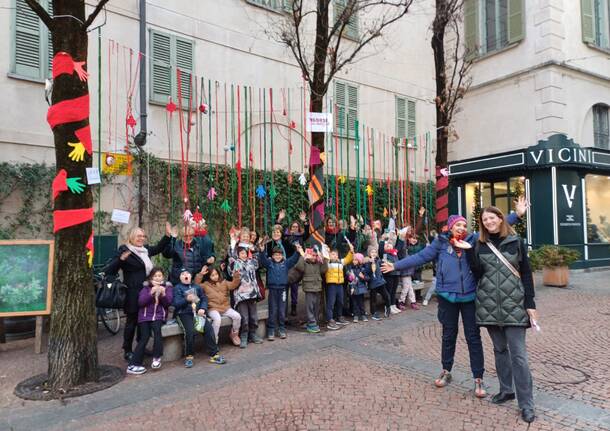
(568, 186)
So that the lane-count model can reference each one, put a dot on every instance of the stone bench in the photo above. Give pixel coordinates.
(173, 340)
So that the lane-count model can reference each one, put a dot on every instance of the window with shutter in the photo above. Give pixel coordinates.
(340, 101)
(32, 49)
(411, 126)
(490, 25)
(346, 109)
(351, 29)
(401, 117)
(169, 53)
(601, 128)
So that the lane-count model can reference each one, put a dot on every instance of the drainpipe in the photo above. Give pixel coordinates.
(140, 139)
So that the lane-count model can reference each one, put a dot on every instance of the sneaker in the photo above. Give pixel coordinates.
(217, 359)
(479, 390)
(332, 325)
(425, 303)
(256, 339)
(414, 306)
(128, 356)
(364, 319)
(377, 316)
(188, 362)
(234, 336)
(282, 334)
(443, 379)
(342, 321)
(356, 319)
(402, 306)
(313, 329)
(243, 341)
(394, 309)
(135, 369)
(156, 363)
(270, 337)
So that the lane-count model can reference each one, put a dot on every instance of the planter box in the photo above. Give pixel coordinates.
(558, 276)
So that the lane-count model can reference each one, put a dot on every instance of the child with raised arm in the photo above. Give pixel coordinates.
(313, 268)
(334, 288)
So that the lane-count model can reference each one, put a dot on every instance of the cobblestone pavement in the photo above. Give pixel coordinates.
(366, 376)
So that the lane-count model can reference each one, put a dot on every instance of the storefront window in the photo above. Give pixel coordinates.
(598, 212)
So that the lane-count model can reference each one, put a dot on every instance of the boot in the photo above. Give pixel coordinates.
(243, 340)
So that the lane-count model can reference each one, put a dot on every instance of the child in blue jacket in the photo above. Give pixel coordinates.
(277, 281)
(189, 301)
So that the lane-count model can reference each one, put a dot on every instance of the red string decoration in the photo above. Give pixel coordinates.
(68, 111)
(66, 218)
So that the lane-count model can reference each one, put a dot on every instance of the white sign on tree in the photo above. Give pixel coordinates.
(319, 122)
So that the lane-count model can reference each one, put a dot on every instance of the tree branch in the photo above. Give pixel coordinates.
(42, 13)
(95, 13)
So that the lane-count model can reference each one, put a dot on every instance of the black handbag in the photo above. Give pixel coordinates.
(110, 293)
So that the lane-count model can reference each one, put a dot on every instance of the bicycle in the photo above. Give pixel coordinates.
(110, 317)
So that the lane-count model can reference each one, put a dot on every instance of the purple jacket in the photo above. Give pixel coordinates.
(149, 311)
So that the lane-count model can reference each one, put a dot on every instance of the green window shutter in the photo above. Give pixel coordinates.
(184, 61)
(401, 117)
(340, 102)
(352, 110)
(587, 17)
(471, 24)
(27, 41)
(351, 29)
(411, 125)
(161, 69)
(49, 50)
(516, 28)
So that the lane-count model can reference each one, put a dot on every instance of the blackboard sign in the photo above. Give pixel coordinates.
(26, 276)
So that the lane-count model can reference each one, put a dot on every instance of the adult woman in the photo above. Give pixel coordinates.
(188, 253)
(133, 259)
(505, 304)
(455, 288)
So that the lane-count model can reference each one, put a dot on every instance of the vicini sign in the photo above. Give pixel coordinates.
(559, 155)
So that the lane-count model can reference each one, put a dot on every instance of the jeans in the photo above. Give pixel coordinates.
(145, 329)
(217, 319)
(293, 288)
(249, 317)
(358, 305)
(510, 354)
(187, 323)
(312, 303)
(431, 291)
(277, 310)
(334, 301)
(448, 315)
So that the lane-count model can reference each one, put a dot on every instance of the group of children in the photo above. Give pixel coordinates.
(349, 264)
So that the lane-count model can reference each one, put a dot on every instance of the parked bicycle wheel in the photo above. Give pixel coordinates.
(111, 319)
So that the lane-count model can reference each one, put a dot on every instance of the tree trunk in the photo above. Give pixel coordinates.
(317, 92)
(442, 122)
(73, 336)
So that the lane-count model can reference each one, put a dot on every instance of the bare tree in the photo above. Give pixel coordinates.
(452, 64)
(72, 355)
(336, 44)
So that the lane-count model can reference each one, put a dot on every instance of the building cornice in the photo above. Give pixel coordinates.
(532, 69)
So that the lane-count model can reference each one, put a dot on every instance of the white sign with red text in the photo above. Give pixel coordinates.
(319, 122)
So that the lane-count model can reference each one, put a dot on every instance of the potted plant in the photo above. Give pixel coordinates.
(554, 260)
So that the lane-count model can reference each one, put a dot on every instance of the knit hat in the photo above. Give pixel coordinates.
(358, 257)
(453, 219)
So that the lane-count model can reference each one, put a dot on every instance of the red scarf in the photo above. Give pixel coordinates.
(456, 238)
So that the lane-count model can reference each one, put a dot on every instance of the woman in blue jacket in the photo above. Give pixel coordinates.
(456, 291)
